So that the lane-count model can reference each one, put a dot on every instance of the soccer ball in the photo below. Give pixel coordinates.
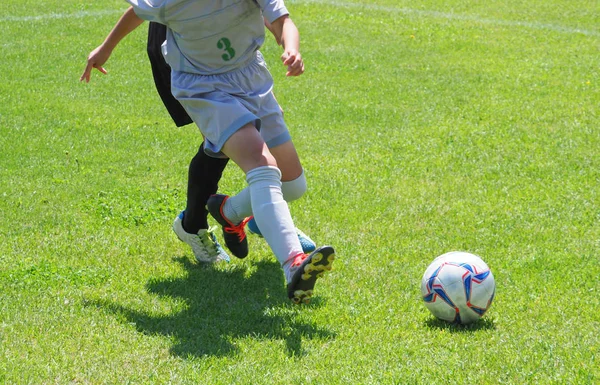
(458, 287)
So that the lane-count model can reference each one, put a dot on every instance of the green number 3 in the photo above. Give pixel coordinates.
(225, 45)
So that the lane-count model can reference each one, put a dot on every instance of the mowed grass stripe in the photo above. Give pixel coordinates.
(343, 4)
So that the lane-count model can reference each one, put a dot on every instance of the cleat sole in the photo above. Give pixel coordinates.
(300, 289)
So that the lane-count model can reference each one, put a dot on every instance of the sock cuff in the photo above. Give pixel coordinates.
(294, 189)
(264, 173)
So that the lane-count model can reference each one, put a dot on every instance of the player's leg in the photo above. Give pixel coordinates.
(248, 150)
(303, 270)
(277, 137)
(203, 181)
(293, 186)
(191, 225)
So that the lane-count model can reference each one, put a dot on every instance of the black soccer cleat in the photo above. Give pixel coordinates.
(234, 235)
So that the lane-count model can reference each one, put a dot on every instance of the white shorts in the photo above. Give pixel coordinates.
(222, 104)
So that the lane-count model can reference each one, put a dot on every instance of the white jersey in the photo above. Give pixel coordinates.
(209, 37)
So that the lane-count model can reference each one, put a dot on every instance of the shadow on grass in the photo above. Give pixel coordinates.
(222, 306)
(482, 324)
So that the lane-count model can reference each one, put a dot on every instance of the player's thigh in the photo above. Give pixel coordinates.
(247, 149)
(287, 160)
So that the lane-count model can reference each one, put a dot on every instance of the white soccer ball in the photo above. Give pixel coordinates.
(458, 287)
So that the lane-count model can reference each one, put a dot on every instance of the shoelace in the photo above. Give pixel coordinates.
(297, 259)
(208, 243)
(238, 229)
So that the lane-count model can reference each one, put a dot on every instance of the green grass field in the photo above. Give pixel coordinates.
(423, 128)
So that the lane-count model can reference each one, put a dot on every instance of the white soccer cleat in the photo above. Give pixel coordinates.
(205, 246)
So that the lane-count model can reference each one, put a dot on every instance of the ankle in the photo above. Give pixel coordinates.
(230, 214)
(192, 226)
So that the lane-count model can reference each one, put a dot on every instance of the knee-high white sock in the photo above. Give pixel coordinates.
(239, 206)
(272, 214)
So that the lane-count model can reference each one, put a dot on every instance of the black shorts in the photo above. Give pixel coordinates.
(157, 34)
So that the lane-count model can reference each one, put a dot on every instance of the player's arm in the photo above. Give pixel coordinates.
(270, 28)
(96, 59)
(285, 28)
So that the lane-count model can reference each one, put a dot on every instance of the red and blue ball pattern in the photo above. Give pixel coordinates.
(458, 287)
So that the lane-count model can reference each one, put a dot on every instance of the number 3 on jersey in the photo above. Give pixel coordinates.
(225, 45)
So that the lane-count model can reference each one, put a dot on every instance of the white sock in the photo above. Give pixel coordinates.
(294, 189)
(272, 214)
(239, 206)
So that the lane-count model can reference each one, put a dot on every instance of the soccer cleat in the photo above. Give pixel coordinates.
(234, 235)
(308, 245)
(306, 269)
(204, 244)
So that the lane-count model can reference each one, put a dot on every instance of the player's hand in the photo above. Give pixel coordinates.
(293, 60)
(95, 59)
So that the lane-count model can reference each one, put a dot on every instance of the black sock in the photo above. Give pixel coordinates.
(203, 181)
